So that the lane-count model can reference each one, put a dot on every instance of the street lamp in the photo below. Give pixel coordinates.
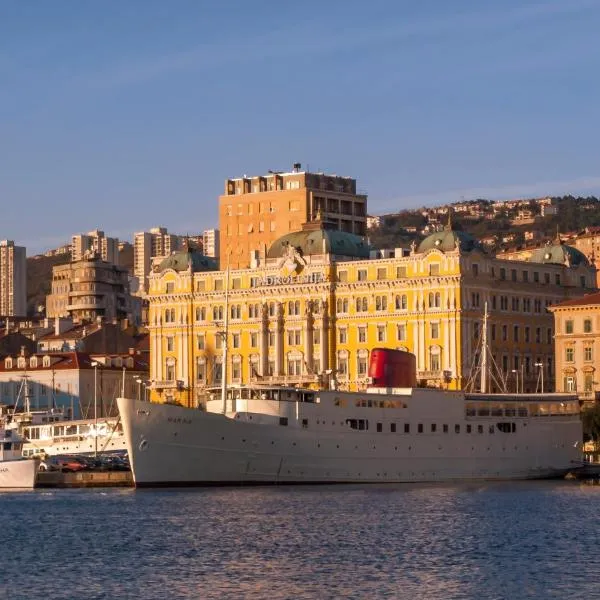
(540, 365)
(95, 365)
(516, 372)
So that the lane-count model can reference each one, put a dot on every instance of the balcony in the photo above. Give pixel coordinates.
(99, 305)
(285, 379)
(167, 384)
(430, 374)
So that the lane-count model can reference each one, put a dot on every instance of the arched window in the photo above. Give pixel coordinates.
(170, 369)
(435, 358)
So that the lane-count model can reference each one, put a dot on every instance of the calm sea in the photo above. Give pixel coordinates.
(509, 541)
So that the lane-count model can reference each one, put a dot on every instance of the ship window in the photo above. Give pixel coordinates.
(457, 429)
(393, 427)
(433, 428)
(491, 429)
(479, 428)
(468, 429)
(283, 421)
(363, 424)
(305, 423)
(406, 427)
(445, 428)
(379, 427)
(420, 428)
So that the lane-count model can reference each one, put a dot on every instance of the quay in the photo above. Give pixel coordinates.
(84, 479)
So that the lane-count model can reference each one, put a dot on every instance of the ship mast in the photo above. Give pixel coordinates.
(225, 335)
(483, 385)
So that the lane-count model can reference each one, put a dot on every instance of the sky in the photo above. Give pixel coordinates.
(123, 115)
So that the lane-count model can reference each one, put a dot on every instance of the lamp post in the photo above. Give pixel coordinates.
(540, 365)
(516, 372)
(95, 365)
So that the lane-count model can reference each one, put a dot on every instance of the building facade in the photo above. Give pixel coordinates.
(577, 346)
(68, 380)
(211, 243)
(84, 245)
(313, 309)
(88, 289)
(148, 245)
(13, 279)
(255, 211)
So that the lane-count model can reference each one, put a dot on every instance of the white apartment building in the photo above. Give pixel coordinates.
(148, 245)
(13, 279)
(83, 245)
(210, 243)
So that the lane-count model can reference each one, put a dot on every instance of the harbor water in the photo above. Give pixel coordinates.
(487, 540)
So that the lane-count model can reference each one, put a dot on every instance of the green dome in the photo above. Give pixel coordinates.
(320, 241)
(182, 261)
(559, 254)
(448, 240)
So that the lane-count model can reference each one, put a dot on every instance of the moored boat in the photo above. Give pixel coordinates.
(270, 434)
(15, 470)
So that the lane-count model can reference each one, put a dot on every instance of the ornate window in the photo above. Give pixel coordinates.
(170, 369)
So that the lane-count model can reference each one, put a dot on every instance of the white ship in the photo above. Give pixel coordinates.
(45, 436)
(288, 435)
(15, 471)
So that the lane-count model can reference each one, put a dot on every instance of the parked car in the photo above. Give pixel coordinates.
(66, 464)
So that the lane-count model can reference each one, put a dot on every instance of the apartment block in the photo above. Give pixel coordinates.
(148, 245)
(88, 289)
(13, 279)
(255, 211)
(210, 243)
(84, 245)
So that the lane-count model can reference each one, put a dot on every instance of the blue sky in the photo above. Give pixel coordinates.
(124, 115)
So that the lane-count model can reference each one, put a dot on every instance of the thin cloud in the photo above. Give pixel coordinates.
(581, 185)
(302, 41)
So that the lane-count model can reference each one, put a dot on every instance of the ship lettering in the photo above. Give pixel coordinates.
(179, 420)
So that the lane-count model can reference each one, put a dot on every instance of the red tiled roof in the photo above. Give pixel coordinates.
(587, 300)
(75, 333)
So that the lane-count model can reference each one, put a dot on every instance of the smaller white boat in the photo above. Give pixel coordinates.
(85, 436)
(15, 470)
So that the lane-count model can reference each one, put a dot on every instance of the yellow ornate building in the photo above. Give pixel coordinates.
(319, 300)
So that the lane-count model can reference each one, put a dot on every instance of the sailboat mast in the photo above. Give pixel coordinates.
(225, 335)
(484, 351)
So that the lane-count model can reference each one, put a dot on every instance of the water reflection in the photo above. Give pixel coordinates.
(402, 541)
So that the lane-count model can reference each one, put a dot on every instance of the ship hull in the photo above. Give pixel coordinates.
(18, 474)
(174, 446)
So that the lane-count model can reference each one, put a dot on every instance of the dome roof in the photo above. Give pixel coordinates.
(181, 261)
(448, 240)
(320, 241)
(559, 254)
